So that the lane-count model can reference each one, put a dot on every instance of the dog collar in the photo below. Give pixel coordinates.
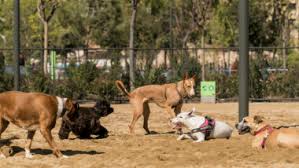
(267, 127)
(179, 91)
(60, 105)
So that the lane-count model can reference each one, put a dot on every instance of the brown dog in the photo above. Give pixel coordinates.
(33, 111)
(169, 96)
(267, 136)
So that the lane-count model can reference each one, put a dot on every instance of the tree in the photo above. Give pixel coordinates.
(265, 26)
(46, 10)
(191, 18)
(223, 27)
(6, 23)
(2, 36)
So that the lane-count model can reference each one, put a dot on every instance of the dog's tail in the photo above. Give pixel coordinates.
(120, 85)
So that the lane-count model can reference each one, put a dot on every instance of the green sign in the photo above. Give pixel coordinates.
(208, 88)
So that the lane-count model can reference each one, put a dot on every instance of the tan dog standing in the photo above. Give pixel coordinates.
(169, 96)
(32, 111)
(267, 136)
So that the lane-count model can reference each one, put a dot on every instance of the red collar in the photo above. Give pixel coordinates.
(266, 127)
(269, 131)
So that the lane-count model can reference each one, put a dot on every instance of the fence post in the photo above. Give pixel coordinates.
(131, 44)
(229, 65)
(244, 60)
(17, 44)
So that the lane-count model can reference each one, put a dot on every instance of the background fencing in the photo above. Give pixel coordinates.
(89, 73)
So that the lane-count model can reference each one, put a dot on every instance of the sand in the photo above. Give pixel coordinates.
(121, 149)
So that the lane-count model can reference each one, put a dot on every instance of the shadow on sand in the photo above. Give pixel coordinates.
(160, 133)
(39, 151)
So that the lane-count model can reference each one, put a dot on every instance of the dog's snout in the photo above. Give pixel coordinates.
(192, 92)
(172, 120)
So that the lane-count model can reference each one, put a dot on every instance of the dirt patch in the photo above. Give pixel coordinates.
(160, 150)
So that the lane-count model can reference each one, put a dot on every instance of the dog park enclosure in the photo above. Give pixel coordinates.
(161, 150)
(84, 70)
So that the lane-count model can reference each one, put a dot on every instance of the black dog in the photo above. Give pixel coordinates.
(85, 121)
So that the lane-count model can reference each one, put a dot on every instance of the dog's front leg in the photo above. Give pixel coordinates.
(181, 137)
(200, 137)
(184, 136)
(170, 111)
(30, 135)
(48, 136)
(100, 131)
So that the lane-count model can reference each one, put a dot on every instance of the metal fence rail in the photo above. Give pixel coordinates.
(268, 78)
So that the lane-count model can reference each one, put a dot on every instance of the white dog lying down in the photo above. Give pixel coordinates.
(202, 128)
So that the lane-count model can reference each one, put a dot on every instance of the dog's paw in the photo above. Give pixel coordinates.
(2, 156)
(65, 157)
(197, 141)
(181, 137)
(28, 155)
(179, 132)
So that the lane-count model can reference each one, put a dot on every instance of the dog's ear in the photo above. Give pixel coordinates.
(258, 119)
(68, 104)
(76, 105)
(191, 112)
(72, 108)
(194, 77)
(186, 76)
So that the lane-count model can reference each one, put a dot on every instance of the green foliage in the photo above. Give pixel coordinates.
(7, 82)
(265, 26)
(256, 85)
(293, 60)
(150, 76)
(106, 23)
(37, 82)
(223, 26)
(166, 23)
(227, 86)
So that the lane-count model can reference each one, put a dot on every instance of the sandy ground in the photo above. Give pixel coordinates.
(160, 150)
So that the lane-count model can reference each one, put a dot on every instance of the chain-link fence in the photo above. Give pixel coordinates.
(86, 73)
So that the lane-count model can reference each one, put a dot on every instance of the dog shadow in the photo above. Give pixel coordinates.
(88, 138)
(7, 141)
(39, 151)
(160, 133)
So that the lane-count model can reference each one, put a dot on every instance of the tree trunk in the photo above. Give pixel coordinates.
(131, 44)
(285, 42)
(45, 48)
(41, 8)
(203, 56)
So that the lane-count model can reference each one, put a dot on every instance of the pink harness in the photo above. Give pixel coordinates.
(206, 127)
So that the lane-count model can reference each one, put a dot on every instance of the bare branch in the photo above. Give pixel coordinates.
(41, 10)
(54, 6)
